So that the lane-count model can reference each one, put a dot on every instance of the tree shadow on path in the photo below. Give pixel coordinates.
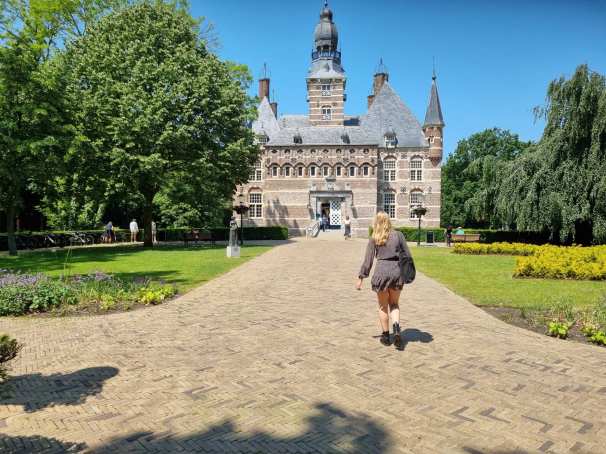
(36, 391)
(329, 430)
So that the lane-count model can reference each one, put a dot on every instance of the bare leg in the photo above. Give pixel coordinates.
(394, 305)
(383, 298)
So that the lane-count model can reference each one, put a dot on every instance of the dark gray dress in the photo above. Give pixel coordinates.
(387, 272)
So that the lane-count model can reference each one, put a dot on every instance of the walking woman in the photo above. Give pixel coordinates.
(386, 245)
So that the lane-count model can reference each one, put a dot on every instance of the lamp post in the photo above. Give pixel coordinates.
(419, 211)
(241, 208)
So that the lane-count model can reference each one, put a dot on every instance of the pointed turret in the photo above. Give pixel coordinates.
(434, 123)
(433, 116)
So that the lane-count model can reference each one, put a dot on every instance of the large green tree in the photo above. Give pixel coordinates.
(559, 186)
(466, 174)
(152, 105)
(34, 127)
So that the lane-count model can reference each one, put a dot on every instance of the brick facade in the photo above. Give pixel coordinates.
(328, 162)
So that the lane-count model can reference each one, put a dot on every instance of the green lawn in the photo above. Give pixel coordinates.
(487, 280)
(184, 267)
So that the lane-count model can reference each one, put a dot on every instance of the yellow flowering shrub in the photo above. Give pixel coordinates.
(557, 262)
(495, 248)
(546, 261)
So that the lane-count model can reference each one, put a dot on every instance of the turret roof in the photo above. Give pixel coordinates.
(433, 116)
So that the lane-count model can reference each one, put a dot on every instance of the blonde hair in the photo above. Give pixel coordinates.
(381, 228)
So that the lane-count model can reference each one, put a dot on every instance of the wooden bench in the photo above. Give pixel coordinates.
(465, 237)
(196, 235)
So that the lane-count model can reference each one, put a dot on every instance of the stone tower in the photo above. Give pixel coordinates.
(326, 77)
(434, 123)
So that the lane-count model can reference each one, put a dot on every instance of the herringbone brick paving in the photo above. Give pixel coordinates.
(280, 356)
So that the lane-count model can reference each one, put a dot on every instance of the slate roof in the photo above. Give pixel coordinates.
(433, 116)
(387, 113)
(266, 122)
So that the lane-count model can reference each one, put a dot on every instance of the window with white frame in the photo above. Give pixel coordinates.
(326, 171)
(391, 140)
(365, 171)
(312, 171)
(389, 169)
(416, 169)
(286, 171)
(338, 171)
(300, 171)
(416, 200)
(326, 112)
(255, 203)
(262, 139)
(274, 171)
(389, 204)
(352, 171)
(256, 173)
(325, 89)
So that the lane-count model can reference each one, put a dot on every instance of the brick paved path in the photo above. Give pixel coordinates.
(280, 355)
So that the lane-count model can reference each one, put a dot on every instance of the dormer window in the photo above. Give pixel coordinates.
(262, 139)
(326, 113)
(345, 137)
(297, 138)
(391, 141)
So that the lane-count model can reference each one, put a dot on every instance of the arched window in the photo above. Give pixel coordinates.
(326, 171)
(389, 169)
(352, 171)
(326, 112)
(300, 171)
(416, 200)
(365, 170)
(338, 171)
(416, 168)
(312, 171)
(255, 203)
(286, 171)
(275, 171)
(256, 173)
(389, 204)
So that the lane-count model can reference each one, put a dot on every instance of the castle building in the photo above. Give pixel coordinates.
(333, 164)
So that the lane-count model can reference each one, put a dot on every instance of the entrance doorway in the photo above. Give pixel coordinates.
(331, 209)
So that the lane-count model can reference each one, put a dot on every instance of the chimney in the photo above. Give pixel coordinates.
(263, 88)
(379, 80)
(274, 107)
(371, 98)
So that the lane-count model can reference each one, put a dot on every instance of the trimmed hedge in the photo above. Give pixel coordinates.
(218, 234)
(486, 235)
(412, 234)
(222, 233)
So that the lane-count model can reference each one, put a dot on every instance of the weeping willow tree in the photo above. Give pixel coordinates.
(557, 186)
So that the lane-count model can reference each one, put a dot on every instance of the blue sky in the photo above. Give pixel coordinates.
(494, 59)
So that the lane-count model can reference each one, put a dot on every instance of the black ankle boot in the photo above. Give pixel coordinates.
(397, 336)
(385, 338)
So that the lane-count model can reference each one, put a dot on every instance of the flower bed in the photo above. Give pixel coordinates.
(573, 262)
(97, 292)
(496, 248)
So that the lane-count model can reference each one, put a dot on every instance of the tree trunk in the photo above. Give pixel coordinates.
(10, 228)
(147, 220)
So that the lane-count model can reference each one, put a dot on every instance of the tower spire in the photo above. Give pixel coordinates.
(433, 116)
